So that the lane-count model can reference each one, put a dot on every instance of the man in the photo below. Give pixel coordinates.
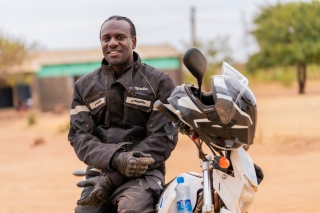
(115, 130)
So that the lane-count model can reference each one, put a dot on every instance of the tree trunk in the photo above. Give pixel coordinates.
(302, 77)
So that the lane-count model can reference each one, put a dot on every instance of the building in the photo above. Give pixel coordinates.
(47, 78)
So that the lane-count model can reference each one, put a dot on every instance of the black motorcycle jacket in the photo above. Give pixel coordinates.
(106, 112)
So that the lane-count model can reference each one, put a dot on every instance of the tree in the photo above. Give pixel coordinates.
(215, 51)
(288, 34)
(12, 52)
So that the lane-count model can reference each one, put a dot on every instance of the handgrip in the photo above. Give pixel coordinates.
(167, 112)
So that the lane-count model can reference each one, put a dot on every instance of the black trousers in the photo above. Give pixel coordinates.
(138, 195)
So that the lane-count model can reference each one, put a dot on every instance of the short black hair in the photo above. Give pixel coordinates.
(116, 17)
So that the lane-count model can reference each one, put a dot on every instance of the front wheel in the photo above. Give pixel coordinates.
(217, 203)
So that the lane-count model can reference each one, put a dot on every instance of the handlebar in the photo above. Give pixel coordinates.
(167, 112)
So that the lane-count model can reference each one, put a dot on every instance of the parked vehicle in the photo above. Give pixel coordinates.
(224, 120)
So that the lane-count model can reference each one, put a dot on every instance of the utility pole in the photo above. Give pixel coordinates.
(193, 27)
(246, 33)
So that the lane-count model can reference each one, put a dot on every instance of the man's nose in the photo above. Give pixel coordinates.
(113, 42)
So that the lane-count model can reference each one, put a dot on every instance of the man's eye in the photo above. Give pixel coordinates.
(106, 39)
(120, 37)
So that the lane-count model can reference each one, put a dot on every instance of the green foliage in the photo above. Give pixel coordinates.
(188, 78)
(206, 84)
(12, 51)
(31, 119)
(212, 70)
(215, 50)
(279, 74)
(284, 75)
(64, 127)
(287, 34)
(314, 72)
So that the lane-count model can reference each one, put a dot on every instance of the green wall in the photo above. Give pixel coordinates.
(83, 68)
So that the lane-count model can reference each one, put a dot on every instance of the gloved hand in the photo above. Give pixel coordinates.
(102, 189)
(131, 164)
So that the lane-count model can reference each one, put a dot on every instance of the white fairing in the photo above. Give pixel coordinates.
(237, 192)
(223, 210)
(167, 202)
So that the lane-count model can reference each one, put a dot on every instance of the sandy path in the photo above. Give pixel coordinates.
(37, 178)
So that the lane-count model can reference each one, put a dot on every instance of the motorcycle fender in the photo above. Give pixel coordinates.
(167, 202)
(244, 161)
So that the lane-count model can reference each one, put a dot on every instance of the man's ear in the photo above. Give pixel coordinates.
(134, 42)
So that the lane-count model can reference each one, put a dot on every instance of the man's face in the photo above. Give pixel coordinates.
(117, 44)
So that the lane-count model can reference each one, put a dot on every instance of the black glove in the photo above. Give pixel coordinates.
(102, 189)
(131, 164)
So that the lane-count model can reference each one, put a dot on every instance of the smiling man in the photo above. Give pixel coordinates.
(114, 129)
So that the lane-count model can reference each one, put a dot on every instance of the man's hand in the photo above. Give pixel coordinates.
(102, 189)
(132, 164)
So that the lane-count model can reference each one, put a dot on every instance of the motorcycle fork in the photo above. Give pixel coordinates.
(207, 186)
(216, 202)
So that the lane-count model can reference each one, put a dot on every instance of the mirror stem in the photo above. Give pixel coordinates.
(199, 85)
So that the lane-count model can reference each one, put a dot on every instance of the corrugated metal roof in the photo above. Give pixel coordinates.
(95, 55)
(38, 59)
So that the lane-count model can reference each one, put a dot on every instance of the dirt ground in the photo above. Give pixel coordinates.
(36, 162)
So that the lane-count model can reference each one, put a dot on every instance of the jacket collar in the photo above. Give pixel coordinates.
(127, 77)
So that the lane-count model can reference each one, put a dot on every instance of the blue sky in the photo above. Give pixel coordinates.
(75, 24)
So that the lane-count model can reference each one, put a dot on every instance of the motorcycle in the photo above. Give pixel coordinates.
(229, 178)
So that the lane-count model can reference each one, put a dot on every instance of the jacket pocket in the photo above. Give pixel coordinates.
(139, 102)
(96, 102)
(137, 109)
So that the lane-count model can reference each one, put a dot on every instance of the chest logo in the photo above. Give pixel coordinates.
(138, 101)
(97, 103)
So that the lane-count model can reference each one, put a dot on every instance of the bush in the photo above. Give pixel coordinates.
(31, 119)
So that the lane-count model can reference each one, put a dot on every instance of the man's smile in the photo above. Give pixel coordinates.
(114, 52)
